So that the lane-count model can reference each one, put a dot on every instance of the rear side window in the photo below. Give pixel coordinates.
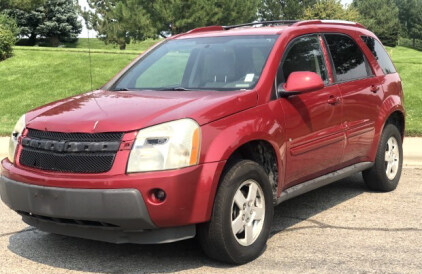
(380, 54)
(349, 61)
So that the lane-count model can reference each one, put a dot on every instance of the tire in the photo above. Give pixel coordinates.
(385, 174)
(217, 238)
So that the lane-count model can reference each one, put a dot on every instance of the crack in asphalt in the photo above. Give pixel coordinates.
(17, 232)
(322, 225)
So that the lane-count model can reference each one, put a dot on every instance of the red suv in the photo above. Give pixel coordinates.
(206, 132)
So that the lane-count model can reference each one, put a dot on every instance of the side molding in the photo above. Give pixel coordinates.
(329, 178)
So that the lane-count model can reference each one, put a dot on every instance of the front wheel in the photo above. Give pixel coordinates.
(242, 215)
(386, 171)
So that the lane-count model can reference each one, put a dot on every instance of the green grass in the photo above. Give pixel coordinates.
(409, 65)
(35, 76)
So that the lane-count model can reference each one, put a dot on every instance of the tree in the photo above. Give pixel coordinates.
(283, 9)
(123, 21)
(331, 9)
(236, 11)
(180, 15)
(410, 16)
(382, 17)
(55, 20)
(60, 22)
(118, 22)
(28, 22)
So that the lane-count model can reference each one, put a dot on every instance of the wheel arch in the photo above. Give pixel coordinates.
(391, 111)
(262, 152)
(396, 118)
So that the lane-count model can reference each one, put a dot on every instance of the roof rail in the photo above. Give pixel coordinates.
(204, 29)
(265, 23)
(277, 22)
(336, 22)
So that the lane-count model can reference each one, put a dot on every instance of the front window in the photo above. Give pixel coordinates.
(304, 54)
(212, 63)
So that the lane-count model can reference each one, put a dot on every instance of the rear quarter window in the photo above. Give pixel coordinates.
(380, 54)
(349, 61)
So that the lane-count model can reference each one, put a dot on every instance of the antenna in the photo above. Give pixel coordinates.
(89, 48)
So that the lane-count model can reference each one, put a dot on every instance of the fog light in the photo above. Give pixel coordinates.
(158, 195)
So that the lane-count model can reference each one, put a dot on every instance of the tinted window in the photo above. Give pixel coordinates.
(380, 54)
(216, 63)
(304, 54)
(349, 61)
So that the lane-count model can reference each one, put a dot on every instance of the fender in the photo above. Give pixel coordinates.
(390, 105)
(223, 137)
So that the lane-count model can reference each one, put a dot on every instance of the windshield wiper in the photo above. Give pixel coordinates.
(175, 89)
(122, 89)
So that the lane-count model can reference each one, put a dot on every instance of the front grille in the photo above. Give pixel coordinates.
(82, 137)
(70, 152)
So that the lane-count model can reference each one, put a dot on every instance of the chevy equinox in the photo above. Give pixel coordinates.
(206, 132)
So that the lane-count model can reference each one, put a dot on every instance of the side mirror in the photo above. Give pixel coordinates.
(300, 82)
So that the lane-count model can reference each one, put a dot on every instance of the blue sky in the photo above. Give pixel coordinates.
(92, 33)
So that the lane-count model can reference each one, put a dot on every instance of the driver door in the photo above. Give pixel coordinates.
(315, 136)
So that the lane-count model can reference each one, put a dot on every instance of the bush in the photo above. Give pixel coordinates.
(8, 32)
(9, 23)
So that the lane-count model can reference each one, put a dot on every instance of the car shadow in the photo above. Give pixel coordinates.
(92, 256)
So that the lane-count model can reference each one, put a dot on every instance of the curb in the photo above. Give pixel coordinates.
(412, 150)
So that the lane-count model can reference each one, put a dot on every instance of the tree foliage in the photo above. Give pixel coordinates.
(120, 21)
(283, 9)
(28, 22)
(8, 31)
(410, 16)
(178, 16)
(331, 9)
(381, 17)
(55, 20)
(20, 4)
(60, 22)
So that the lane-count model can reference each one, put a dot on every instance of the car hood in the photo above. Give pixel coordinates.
(110, 111)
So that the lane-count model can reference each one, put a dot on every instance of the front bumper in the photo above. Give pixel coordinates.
(111, 215)
(189, 191)
(112, 207)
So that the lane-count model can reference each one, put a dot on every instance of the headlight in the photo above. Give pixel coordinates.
(16, 133)
(166, 146)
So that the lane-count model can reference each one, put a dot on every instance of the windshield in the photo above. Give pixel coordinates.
(216, 63)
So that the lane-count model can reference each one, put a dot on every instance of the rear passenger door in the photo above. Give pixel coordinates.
(361, 95)
(315, 137)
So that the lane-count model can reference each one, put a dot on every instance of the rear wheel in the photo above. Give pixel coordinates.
(386, 171)
(242, 215)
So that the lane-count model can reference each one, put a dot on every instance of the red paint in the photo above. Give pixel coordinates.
(303, 81)
(312, 133)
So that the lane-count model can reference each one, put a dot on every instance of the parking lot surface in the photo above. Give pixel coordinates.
(342, 227)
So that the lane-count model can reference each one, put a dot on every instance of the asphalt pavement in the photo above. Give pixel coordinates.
(342, 227)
